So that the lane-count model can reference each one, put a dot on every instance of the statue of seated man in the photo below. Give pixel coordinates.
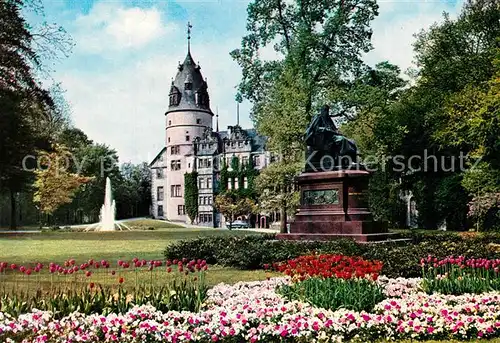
(327, 148)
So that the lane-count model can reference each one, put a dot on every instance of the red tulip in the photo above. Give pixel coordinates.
(120, 280)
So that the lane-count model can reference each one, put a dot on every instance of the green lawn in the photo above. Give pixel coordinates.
(59, 246)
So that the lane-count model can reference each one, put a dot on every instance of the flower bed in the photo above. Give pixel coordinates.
(76, 289)
(328, 266)
(261, 311)
(458, 275)
(253, 312)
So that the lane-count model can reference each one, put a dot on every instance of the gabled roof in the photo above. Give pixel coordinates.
(258, 142)
(157, 156)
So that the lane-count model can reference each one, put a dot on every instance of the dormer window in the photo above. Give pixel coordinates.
(175, 96)
(188, 86)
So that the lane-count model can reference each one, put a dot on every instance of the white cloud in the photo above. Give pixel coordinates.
(110, 26)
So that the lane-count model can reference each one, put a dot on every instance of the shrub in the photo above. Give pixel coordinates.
(399, 259)
(335, 293)
(223, 250)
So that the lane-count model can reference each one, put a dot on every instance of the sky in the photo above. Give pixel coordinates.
(126, 52)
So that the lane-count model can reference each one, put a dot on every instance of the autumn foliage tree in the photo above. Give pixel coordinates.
(54, 184)
(231, 206)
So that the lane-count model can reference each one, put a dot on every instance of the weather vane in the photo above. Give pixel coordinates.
(189, 26)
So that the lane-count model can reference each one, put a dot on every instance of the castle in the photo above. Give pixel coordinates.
(191, 144)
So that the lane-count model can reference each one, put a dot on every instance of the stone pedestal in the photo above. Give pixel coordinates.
(335, 205)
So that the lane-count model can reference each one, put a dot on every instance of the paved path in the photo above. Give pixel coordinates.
(188, 226)
(19, 231)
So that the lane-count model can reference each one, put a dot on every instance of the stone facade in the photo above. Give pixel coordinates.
(192, 144)
(158, 177)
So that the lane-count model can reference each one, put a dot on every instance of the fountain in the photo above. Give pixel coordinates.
(107, 218)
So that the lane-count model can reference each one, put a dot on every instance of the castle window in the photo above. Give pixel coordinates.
(168, 139)
(169, 122)
(244, 160)
(160, 210)
(236, 185)
(159, 193)
(175, 191)
(175, 165)
(187, 138)
(256, 161)
(188, 86)
(209, 182)
(175, 150)
(198, 121)
(174, 98)
(240, 144)
(202, 183)
(229, 183)
(209, 199)
(203, 146)
(181, 210)
(159, 173)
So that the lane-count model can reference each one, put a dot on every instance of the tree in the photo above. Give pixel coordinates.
(232, 206)
(368, 103)
(318, 47)
(321, 41)
(133, 193)
(437, 116)
(54, 184)
(26, 106)
(275, 184)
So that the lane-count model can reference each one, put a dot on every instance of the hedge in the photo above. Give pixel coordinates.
(400, 259)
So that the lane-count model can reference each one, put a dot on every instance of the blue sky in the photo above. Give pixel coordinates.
(126, 52)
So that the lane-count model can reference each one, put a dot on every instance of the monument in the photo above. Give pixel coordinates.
(333, 189)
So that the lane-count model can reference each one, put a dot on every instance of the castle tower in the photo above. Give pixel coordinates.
(187, 117)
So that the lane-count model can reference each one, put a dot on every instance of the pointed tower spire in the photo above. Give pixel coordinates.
(189, 27)
(217, 119)
(238, 113)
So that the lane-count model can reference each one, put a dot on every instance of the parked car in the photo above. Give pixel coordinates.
(238, 224)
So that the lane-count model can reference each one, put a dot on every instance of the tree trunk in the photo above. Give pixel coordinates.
(13, 210)
(283, 226)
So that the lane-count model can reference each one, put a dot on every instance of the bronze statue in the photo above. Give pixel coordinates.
(327, 148)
